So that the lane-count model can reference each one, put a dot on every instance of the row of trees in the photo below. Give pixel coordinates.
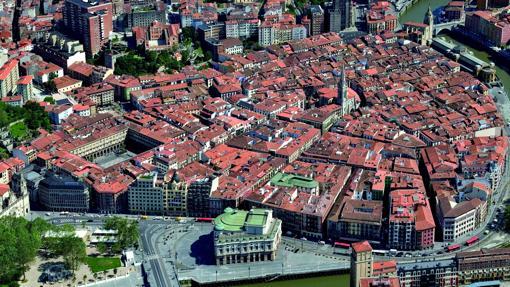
(32, 113)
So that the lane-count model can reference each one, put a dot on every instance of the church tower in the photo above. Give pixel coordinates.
(362, 262)
(430, 22)
(341, 98)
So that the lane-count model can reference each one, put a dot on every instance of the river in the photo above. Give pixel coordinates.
(324, 281)
(417, 14)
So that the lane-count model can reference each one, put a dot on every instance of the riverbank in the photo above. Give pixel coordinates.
(502, 70)
(416, 13)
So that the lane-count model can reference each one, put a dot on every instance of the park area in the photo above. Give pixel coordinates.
(18, 130)
(100, 264)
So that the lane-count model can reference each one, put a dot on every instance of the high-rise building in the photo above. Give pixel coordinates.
(90, 21)
(340, 15)
(316, 20)
(361, 262)
(118, 7)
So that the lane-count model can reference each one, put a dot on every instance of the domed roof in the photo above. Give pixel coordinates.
(219, 226)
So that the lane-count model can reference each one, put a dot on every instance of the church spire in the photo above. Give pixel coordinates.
(342, 92)
(342, 87)
(430, 22)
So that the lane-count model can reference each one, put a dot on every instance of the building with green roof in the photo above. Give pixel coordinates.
(292, 180)
(246, 236)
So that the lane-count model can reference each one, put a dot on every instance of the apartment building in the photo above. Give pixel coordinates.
(158, 194)
(428, 273)
(60, 50)
(144, 196)
(483, 265)
(459, 219)
(276, 33)
(411, 224)
(101, 143)
(100, 94)
(25, 88)
(355, 220)
(9, 76)
(242, 28)
(143, 16)
(494, 28)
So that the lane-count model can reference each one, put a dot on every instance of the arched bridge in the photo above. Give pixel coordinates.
(446, 26)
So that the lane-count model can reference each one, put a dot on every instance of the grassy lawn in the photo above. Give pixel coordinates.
(18, 130)
(98, 264)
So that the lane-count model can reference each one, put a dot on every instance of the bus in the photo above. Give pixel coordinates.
(204, 219)
(341, 245)
(379, 252)
(453, 247)
(472, 240)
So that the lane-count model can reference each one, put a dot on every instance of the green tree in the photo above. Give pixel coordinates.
(50, 84)
(507, 218)
(36, 117)
(4, 153)
(50, 100)
(102, 248)
(128, 232)
(4, 118)
(73, 250)
(52, 243)
(20, 241)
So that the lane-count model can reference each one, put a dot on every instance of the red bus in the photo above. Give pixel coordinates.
(342, 245)
(472, 240)
(453, 247)
(204, 219)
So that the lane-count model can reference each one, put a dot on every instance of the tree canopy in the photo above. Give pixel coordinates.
(20, 241)
(140, 62)
(507, 218)
(63, 242)
(128, 232)
(34, 115)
